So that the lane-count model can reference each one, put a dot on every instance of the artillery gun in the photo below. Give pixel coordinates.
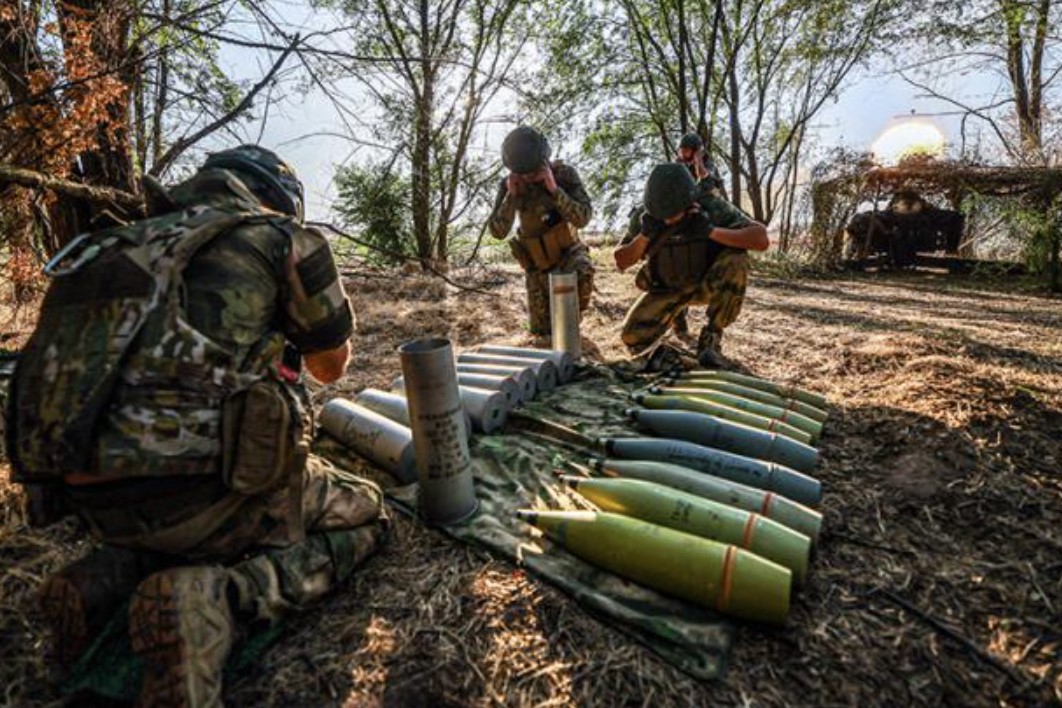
(909, 225)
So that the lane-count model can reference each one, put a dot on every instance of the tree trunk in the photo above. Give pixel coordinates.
(421, 174)
(735, 133)
(683, 102)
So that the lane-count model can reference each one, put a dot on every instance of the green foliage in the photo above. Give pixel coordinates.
(428, 72)
(374, 202)
(633, 75)
(181, 84)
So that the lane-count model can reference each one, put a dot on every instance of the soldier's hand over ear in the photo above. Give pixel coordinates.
(549, 181)
(513, 183)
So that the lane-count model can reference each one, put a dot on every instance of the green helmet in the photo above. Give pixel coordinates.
(271, 179)
(669, 191)
(691, 141)
(524, 150)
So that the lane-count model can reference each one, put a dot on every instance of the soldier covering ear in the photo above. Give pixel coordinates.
(550, 201)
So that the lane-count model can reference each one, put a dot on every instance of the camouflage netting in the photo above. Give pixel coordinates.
(841, 185)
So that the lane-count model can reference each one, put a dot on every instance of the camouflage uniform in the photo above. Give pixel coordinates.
(540, 213)
(248, 294)
(721, 288)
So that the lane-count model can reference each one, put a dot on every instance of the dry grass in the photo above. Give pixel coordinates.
(943, 477)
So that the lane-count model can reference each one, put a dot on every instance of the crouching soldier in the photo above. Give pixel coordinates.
(551, 203)
(695, 246)
(161, 395)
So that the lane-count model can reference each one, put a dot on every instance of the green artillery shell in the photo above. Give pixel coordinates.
(802, 422)
(701, 405)
(785, 511)
(677, 510)
(754, 382)
(722, 577)
(746, 470)
(755, 394)
(725, 435)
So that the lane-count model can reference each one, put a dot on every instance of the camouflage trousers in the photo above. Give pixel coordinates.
(722, 290)
(576, 260)
(343, 524)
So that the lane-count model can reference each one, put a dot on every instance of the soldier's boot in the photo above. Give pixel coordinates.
(681, 324)
(710, 350)
(181, 623)
(76, 603)
(665, 358)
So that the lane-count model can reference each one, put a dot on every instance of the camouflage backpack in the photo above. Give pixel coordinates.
(105, 287)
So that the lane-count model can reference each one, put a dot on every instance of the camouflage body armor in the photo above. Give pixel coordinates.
(543, 235)
(682, 258)
(116, 381)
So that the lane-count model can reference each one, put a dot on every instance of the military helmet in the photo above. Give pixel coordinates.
(524, 150)
(669, 191)
(271, 179)
(691, 141)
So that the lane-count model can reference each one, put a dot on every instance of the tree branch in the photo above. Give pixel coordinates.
(10, 174)
(184, 143)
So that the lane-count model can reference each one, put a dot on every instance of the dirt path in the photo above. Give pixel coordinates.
(942, 466)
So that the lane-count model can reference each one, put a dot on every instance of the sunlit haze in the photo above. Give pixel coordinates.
(909, 136)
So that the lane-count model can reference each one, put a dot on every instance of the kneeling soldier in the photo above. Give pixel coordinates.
(160, 394)
(696, 247)
(551, 203)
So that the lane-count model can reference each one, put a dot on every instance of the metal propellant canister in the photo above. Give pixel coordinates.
(754, 394)
(746, 470)
(802, 422)
(546, 376)
(382, 441)
(505, 385)
(393, 406)
(681, 511)
(524, 376)
(564, 361)
(785, 511)
(721, 434)
(700, 405)
(444, 470)
(488, 410)
(708, 573)
(485, 411)
(564, 313)
(782, 390)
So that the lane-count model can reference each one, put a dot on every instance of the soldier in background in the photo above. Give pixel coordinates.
(196, 475)
(695, 247)
(691, 153)
(551, 203)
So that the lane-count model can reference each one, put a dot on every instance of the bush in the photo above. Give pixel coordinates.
(374, 203)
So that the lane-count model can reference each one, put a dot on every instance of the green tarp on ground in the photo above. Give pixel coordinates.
(516, 471)
(512, 471)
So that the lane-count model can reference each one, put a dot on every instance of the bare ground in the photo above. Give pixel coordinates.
(938, 582)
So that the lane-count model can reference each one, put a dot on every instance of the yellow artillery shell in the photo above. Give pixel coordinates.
(683, 402)
(677, 510)
(802, 422)
(753, 394)
(712, 574)
(786, 391)
(785, 511)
